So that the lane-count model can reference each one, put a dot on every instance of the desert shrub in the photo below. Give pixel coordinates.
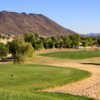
(3, 50)
(20, 49)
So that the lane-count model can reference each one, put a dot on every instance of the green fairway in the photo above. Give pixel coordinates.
(20, 82)
(72, 54)
(36, 77)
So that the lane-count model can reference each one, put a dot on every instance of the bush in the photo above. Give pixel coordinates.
(3, 50)
(20, 49)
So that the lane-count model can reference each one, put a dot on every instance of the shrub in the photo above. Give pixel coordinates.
(20, 49)
(3, 50)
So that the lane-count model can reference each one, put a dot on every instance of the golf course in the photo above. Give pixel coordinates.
(47, 75)
(50, 50)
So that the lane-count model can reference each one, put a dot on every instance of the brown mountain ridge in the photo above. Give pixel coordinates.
(19, 23)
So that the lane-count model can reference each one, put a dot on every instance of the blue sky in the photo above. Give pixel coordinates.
(82, 16)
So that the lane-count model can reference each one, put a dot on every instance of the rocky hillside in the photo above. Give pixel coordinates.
(19, 23)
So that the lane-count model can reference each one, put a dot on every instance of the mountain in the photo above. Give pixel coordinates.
(93, 34)
(19, 23)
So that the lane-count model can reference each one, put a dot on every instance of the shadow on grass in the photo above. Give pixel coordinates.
(98, 64)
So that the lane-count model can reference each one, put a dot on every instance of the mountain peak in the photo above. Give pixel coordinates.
(19, 23)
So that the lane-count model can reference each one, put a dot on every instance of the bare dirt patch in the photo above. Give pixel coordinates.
(87, 87)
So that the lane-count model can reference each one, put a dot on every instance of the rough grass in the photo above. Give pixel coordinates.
(40, 96)
(73, 54)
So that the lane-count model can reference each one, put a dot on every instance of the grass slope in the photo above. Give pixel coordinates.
(73, 54)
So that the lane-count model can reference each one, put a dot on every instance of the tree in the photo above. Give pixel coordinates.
(20, 50)
(3, 50)
(34, 39)
(85, 43)
(29, 37)
(67, 42)
(75, 40)
(38, 45)
(59, 43)
(47, 43)
(91, 41)
(98, 41)
(37, 36)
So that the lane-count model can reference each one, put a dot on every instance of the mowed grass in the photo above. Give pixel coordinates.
(35, 77)
(21, 82)
(73, 54)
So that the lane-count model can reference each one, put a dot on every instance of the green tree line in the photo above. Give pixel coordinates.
(71, 41)
(22, 47)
